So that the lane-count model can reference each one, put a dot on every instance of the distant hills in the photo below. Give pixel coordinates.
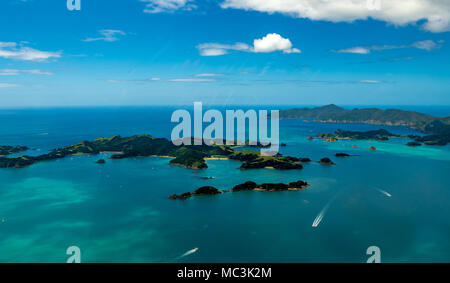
(391, 117)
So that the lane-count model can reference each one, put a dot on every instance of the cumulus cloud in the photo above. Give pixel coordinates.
(12, 50)
(15, 72)
(427, 45)
(273, 42)
(167, 6)
(270, 43)
(436, 13)
(107, 35)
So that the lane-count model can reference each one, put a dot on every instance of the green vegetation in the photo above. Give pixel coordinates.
(247, 186)
(441, 130)
(379, 135)
(189, 156)
(383, 135)
(438, 128)
(333, 113)
(254, 160)
(7, 150)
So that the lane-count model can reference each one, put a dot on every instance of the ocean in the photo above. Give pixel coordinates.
(396, 198)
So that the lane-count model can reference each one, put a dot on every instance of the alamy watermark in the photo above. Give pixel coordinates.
(375, 254)
(75, 254)
(235, 128)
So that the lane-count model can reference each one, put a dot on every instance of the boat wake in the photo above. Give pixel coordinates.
(322, 213)
(188, 253)
(384, 193)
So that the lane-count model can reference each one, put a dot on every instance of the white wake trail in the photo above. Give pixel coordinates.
(188, 253)
(384, 193)
(322, 213)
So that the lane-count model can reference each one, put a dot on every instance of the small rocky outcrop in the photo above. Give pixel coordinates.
(414, 144)
(342, 154)
(182, 196)
(326, 161)
(101, 161)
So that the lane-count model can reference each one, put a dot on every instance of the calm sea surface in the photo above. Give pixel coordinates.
(120, 211)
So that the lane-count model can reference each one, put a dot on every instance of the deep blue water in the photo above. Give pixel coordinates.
(120, 212)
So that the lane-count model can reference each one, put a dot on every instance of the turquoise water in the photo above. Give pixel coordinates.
(119, 212)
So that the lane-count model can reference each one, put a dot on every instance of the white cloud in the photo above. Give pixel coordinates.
(209, 75)
(4, 85)
(201, 78)
(273, 42)
(370, 82)
(191, 80)
(270, 43)
(217, 49)
(167, 6)
(136, 80)
(11, 50)
(355, 50)
(436, 13)
(8, 44)
(108, 35)
(15, 72)
(427, 45)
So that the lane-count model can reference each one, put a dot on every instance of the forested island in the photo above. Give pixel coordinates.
(437, 128)
(247, 186)
(384, 135)
(7, 150)
(379, 135)
(189, 156)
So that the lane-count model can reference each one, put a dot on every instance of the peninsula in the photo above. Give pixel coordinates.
(438, 129)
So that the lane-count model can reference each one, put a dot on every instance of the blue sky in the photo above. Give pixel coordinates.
(277, 52)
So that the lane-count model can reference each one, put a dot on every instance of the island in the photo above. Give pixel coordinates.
(341, 154)
(254, 160)
(188, 156)
(7, 149)
(379, 135)
(414, 144)
(384, 135)
(326, 161)
(247, 186)
(438, 129)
